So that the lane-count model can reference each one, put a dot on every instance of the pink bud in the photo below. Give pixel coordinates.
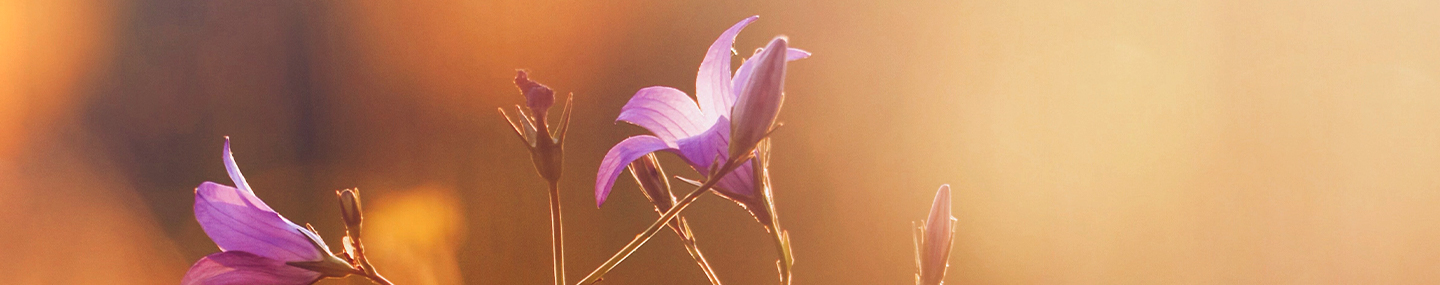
(760, 98)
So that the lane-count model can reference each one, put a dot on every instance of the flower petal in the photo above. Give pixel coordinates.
(621, 155)
(739, 185)
(234, 170)
(712, 83)
(665, 111)
(238, 267)
(237, 220)
(742, 75)
(705, 148)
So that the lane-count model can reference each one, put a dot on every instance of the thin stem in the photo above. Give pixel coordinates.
(555, 227)
(366, 269)
(781, 248)
(655, 227)
(378, 279)
(688, 239)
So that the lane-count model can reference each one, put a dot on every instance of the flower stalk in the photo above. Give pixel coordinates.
(782, 237)
(546, 151)
(652, 180)
(350, 210)
(665, 218)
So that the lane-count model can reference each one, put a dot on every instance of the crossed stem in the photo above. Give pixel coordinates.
(649, 232)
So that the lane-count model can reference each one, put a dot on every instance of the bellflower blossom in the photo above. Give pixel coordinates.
(697, 131)
(258, 245)
(933, 240)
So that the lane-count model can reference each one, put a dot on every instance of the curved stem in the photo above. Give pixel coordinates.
(555, 227)
(655, 227)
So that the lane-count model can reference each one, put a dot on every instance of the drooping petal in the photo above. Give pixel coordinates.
(935, 251)
(666, 112)
(237, 220)
(742, 75)
(243, 268)
(234, 170)
(712, 83)
(760, 99)
(618, 157)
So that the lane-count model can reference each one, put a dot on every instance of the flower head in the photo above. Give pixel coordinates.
(697, 130)
(350, 209)
(537, 96)
(258, 245)
(652, 182)
(934, 240)
(546, 147)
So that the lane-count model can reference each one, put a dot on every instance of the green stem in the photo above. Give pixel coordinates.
(555, 228)
(655, 227)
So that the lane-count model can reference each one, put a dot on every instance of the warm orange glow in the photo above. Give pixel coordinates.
(1118, 142)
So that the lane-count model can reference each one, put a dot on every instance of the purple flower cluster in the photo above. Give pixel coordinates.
(723, 134)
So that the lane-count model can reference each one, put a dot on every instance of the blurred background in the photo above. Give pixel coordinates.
(1091, 142)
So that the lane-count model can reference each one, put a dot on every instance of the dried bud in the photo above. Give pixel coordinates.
(537, 96)
(759, 99)
(350, 208)
(652, 182)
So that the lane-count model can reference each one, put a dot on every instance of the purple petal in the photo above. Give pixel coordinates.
(665, 111)
(712, 83)
(706, 147)
(793, 54)
(742, 75)
(237, 220)
(621, 155)
(703, 149)
(238, 267)
(739, 185)
(234, 170)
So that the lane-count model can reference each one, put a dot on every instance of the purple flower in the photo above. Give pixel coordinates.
(699, 133)
(258, 245)
(934, 240)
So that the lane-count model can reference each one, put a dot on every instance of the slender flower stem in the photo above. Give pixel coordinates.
(378, 279)
(645, 236)
(688, 239)
(782, 248)
(555, 228)
(366, 269)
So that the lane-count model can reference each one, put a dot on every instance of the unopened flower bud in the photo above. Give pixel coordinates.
(652, 182)
(350, 208)
(936, 239)
(760, 98)
(537, 96)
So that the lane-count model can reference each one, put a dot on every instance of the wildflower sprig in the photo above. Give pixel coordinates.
(259, 246)
(718, 139)
(547, 150)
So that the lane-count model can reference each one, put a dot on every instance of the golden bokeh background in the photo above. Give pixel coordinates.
(1090, 142)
